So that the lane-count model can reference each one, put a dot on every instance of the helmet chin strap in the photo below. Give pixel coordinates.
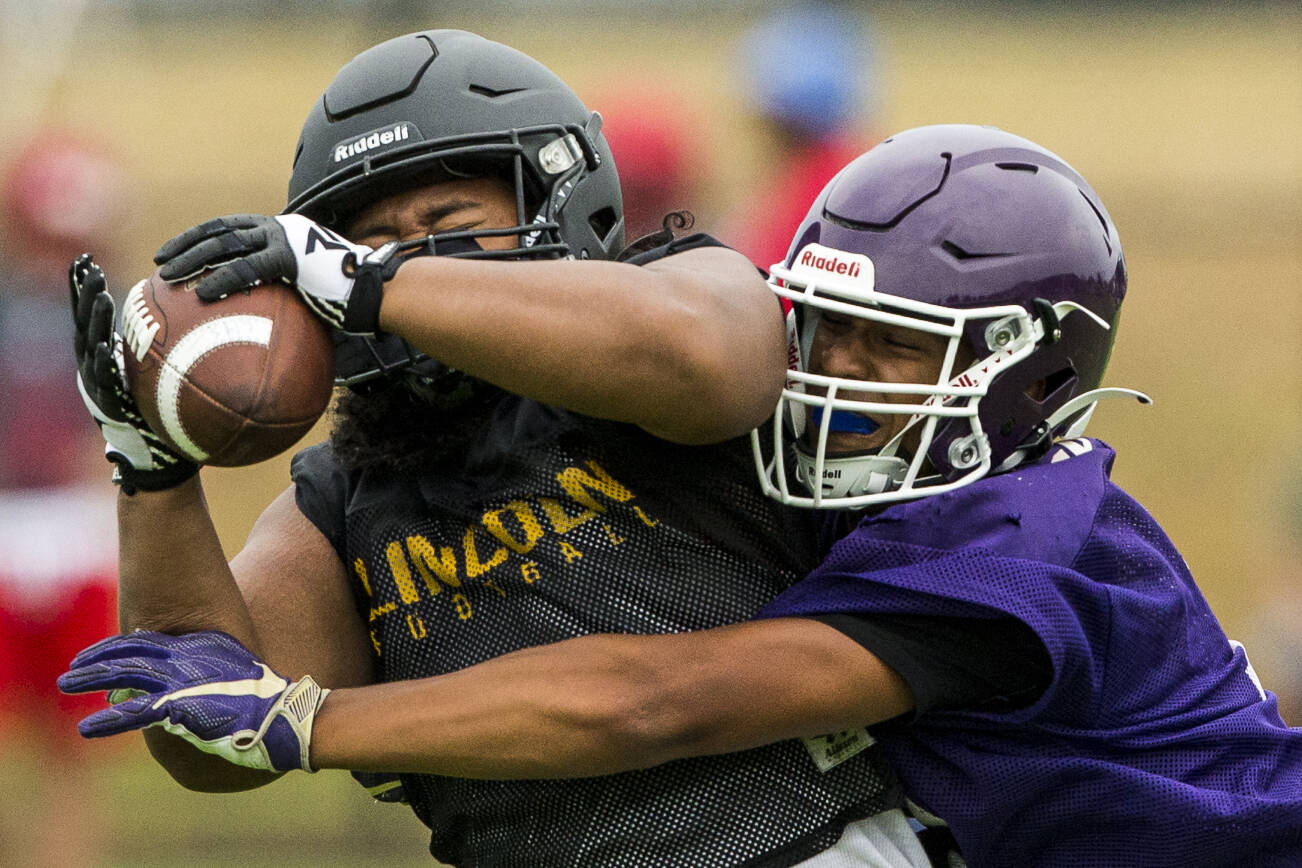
(850, 476)
(853, 475)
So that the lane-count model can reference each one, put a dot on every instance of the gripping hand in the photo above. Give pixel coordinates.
(141, 460)
(341, 282)
(204, 687)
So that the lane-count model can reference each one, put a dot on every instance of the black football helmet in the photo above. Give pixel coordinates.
(445, 104)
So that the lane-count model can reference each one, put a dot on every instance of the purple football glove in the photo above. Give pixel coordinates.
(204, 687)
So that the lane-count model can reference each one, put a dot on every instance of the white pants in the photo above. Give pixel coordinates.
(884, 840)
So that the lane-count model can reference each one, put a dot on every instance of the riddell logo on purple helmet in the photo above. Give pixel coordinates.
(829, 263)
(824, 262)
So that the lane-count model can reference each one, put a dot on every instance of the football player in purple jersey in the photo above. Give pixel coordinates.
(1014, 630)
(955, 295)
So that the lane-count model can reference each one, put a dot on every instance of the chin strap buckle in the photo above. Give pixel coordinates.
(1049, 320)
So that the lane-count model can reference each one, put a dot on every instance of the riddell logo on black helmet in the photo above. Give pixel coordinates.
(394, 134)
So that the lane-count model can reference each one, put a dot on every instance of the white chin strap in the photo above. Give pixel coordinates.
(851, 476)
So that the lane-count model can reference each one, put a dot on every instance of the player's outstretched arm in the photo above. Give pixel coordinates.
(690, 347)
(173, 574)
(609, 703)
(587, 706)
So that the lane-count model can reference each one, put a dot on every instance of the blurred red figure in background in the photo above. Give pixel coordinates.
(659, 171)
(60, 197)
(808, 75)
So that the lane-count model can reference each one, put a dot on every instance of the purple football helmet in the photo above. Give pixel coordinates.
(962, 231)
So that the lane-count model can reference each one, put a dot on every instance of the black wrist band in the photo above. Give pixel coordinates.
(363, 313)
(131, 480)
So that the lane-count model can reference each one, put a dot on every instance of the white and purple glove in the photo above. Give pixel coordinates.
(204, 687)
(341, 282)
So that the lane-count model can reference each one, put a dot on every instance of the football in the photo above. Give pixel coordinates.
(230, 382)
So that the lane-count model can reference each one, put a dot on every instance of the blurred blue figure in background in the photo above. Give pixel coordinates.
(811, 68)
(809, 74)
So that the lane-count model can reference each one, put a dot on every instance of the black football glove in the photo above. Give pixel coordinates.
(141, 460)
(341, 282)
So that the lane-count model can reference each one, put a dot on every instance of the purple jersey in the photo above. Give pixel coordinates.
(1154, 743)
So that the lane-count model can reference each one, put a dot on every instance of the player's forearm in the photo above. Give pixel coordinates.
(603, 704)
(513, 717)
(689, 358)
(173, 576)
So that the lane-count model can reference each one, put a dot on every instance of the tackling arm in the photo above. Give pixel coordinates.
(284, 596)
(609, 703)
(588, 706)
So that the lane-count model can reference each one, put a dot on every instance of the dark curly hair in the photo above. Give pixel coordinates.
(411, 423)
(674, 221)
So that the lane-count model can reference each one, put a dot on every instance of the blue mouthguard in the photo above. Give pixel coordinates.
(844, 421)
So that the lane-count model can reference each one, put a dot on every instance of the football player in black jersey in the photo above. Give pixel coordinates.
(538, 443)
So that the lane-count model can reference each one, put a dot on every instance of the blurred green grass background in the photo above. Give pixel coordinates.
(1186, 119)
(145, 820)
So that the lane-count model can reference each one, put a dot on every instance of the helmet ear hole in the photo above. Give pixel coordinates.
(1052, 385)
(603, 222)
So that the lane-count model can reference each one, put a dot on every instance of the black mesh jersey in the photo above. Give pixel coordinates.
(557, 526)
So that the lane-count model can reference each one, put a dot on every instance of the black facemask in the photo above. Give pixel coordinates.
(363, 364)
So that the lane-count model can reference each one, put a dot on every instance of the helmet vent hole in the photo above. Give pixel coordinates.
(603, 223)
(1018, 167)
(960, 254)
(493, 94)
(1102, 220)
